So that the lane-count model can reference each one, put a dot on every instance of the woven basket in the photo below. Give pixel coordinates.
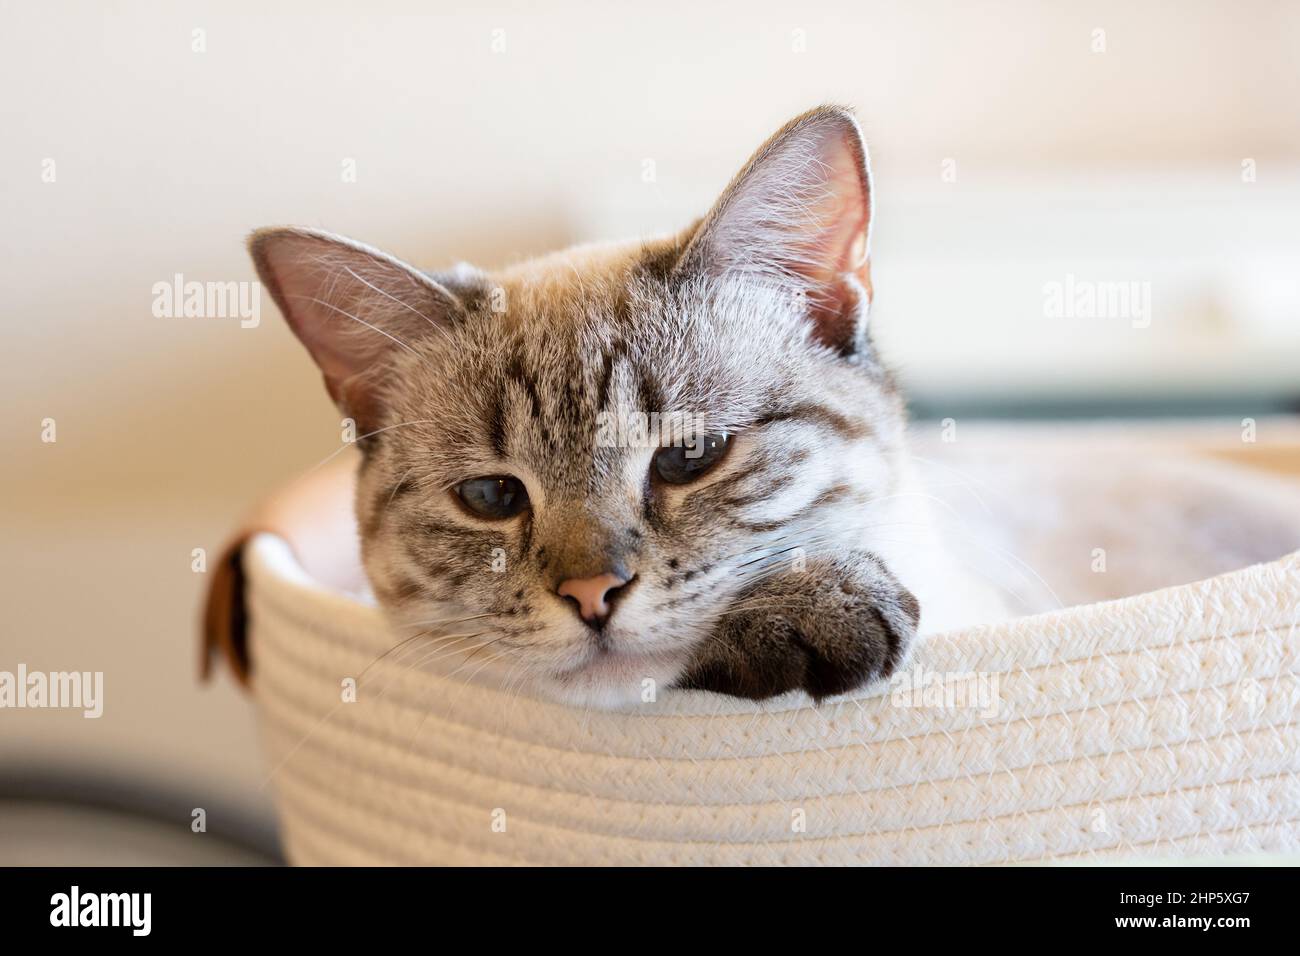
(1159, 725)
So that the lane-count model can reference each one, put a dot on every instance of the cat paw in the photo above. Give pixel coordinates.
(826, 630)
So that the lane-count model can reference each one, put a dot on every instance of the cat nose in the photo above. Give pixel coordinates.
(592, 595)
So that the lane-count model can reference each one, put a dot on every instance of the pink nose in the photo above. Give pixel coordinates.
(591, 594)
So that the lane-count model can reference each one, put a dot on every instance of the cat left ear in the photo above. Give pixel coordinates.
(798, 216)
(352, 306)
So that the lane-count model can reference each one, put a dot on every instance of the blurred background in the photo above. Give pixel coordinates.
(1029, 158)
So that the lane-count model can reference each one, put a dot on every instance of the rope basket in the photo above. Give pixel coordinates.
(1159, 725)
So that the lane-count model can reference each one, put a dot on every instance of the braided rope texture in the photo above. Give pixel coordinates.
(1161, 725)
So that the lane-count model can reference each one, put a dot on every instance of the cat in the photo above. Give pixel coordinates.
(767, 539)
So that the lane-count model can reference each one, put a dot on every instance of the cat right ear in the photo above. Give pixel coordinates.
(798, 217)
(352, 306)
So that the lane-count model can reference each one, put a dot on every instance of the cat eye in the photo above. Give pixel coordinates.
(680, 465)
(499, 496)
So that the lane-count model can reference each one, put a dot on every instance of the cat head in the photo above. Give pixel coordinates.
(577, 463)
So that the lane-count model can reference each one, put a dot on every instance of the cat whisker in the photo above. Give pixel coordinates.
(399, 644)
(420, 726)
(805, 534)
(449, 620)
(284, 759)
(805, 541)
(435, 656)
(465, 683)
(423, 655)
(338, 451)
(470, 659)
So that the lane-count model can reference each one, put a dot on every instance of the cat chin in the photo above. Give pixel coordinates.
(614, 681)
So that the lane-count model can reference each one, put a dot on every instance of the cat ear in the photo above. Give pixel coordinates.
(799, 216)
(351, 306)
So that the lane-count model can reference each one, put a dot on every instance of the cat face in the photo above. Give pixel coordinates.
(577, 465)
